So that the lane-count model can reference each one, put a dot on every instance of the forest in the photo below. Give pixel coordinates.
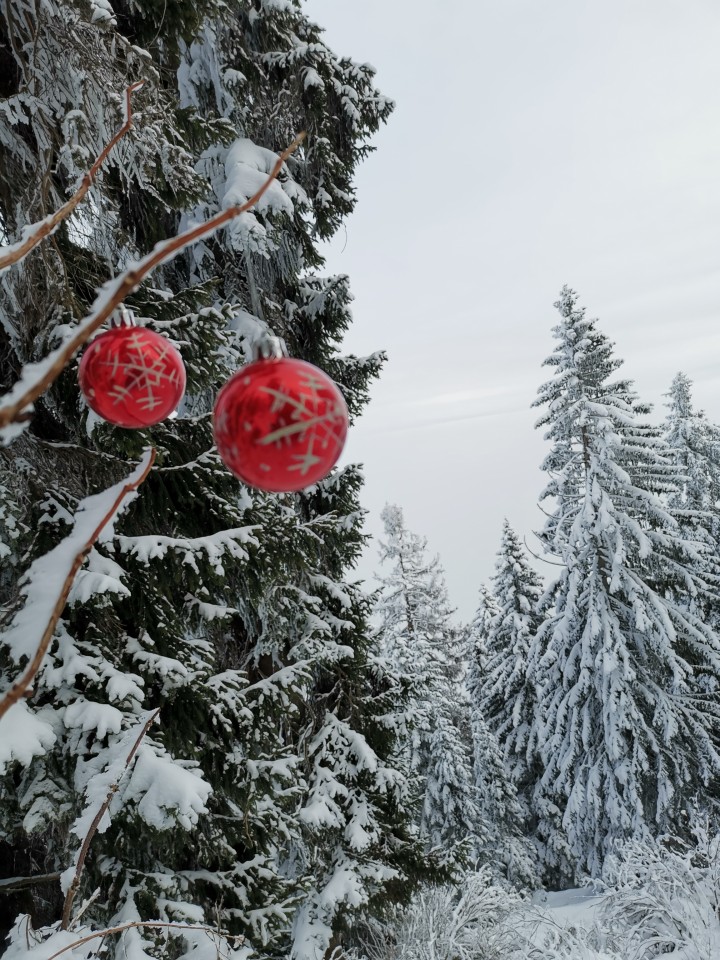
(215, 739)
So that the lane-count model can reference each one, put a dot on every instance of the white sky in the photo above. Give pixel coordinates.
(534, 143)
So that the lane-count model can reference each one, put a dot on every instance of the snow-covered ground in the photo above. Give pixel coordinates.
(561, 925)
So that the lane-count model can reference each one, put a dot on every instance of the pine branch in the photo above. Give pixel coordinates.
(537, 556)
(11, 884)
(19, 688)
(36, 232)
(37, 377)
(145, 923)
(72, 890)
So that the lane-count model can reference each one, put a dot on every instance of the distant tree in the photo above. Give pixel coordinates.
(486, 612)
(417, 635)
(695, 444)
(508, 697)
(626, 735)
(507, 851)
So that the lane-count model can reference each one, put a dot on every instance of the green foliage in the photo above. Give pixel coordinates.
(265, 798)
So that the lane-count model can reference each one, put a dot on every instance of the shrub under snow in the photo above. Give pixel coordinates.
(447, 923)
(660, 900)
(666, 899)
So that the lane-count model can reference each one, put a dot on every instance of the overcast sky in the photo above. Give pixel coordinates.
(534, 143)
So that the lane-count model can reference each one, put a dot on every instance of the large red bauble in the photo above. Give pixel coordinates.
(280, 424)
(132, 377)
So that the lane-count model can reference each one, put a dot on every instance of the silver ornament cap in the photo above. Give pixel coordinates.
(269, 348)
(122, 317)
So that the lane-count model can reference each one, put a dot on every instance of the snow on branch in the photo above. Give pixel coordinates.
(50, 578)
(115, 775)
(214, 933)
(37, 377)
(35, 232)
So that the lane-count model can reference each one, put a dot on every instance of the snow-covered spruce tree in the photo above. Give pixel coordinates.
(479, 630)
(507, 848)
(695, 445)
(263, 800)
(416, 635)
(507, 697)
(626, 735)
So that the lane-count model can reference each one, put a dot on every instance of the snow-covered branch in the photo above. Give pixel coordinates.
(212, 932)
(116, 777)
(35, 232)
(37, 377)
(50, 578)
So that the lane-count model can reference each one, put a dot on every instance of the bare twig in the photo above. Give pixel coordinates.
(50, 369)
(143, 923)
(72, 890)
(18, 251)
(21, 685)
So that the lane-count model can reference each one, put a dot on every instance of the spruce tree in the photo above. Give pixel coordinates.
(416, 634)
(695, 445)
(507, 849)
(480, 628)
(626, 734)
(507, 697)
(263, 800)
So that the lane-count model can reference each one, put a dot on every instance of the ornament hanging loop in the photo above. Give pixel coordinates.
(122, 317)
(269, 348)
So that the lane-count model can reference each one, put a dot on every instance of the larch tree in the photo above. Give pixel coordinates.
(206, 742)
(418, 638)
(627, 735)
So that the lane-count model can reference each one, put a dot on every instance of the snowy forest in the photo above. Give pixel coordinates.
(216, 741)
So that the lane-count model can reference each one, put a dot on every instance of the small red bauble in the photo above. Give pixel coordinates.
(132, 377)
(280, 424)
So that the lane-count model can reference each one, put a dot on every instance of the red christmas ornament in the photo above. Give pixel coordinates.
(132, 377)
(280, 424)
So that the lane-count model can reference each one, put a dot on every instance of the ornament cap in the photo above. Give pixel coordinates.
(269, 348)
(122, 317)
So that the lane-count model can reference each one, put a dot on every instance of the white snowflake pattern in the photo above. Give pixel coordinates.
(139, 373)
(313, 417)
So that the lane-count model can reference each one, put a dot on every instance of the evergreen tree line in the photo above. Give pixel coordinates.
(592, 703)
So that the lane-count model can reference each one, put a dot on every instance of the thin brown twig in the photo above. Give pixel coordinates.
(45, 227)
(142, 923)
(15, 411)
(72, 890)
(21, 685)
